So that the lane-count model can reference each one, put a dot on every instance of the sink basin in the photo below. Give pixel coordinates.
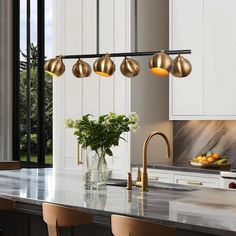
(117, 182)
(159, 185)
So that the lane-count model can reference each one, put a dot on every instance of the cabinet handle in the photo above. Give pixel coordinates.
(138, 175)
(80, 162)
(194, 183)
(153, 177)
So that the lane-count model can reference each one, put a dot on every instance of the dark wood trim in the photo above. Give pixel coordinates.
(28, 80)
(16, 84)
(41, 82)
(15, 77)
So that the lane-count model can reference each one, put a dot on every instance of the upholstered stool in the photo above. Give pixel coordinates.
(57, 216)
(6, 204)
(127, 226)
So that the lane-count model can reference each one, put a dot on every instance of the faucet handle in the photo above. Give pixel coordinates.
(129, 181)
(138, 175)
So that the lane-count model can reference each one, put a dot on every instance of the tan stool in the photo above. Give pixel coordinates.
(127, 226)
(59, 216)
(6, 204)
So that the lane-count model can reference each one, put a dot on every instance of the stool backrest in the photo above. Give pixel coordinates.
(59, 216)
(127, 226)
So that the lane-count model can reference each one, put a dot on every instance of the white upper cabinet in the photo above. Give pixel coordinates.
(219, 57)
(208, 28)
(186, 24)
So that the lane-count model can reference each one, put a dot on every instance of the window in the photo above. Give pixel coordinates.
(32, 87)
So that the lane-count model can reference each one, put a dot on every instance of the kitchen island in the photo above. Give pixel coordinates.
(192, 210)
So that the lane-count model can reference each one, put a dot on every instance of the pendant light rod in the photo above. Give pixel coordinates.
(126, 54)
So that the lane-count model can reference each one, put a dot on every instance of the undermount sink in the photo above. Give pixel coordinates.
(117, 182)
(159, 185)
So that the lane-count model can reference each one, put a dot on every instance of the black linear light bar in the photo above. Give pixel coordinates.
(127, 54)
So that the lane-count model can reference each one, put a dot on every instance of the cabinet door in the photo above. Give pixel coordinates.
(186, 32)
(193, 180)
(154, 175)
(95, 95)
(219, 58)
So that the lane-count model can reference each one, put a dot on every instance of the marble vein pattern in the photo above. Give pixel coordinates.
(192, 138)
(199, 209)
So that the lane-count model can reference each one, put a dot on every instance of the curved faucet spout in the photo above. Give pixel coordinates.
(144, 176)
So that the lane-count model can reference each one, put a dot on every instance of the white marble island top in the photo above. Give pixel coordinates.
(202, 210)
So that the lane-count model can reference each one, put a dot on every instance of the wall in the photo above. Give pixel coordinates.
(192, 138)
(150, 94)
(5, 80)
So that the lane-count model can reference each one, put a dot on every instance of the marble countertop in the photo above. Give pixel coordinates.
(180, 167)
(202, 210)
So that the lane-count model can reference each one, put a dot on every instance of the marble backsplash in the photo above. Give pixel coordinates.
(192, 138)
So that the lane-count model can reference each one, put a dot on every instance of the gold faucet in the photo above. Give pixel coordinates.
(143, 183)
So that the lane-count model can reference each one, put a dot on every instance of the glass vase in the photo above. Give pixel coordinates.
(96, 173)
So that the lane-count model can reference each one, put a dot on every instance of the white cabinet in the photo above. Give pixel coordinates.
(155, 175)
(208, 28)
(159, 175)
(75, 30)
(219, 57)
(194, 179)
(180, 177)
(76, 33)
(186, 32)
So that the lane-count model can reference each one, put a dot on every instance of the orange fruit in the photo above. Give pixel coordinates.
(210, 159)
(216, 156)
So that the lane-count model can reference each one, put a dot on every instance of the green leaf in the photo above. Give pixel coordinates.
(123, 139)
(109, 152)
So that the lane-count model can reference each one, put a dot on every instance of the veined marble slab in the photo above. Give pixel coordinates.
(205, 210)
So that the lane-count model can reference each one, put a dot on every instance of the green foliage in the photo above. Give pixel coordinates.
(104, 133)
(33, 49)
(34, 103)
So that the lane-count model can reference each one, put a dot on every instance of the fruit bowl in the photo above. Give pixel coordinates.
(211, 160)
(223, 166)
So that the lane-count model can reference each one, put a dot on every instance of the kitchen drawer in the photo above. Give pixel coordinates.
(197, 180)
(159, 176)
(155, 175)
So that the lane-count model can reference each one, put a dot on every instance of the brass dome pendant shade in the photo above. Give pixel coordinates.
(160, 64)
(129, 67)
(55, 66)
(181, 67)
(104, 66)
(81, 69)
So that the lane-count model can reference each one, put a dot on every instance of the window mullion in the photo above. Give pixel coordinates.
(41, 82)
(28, 84)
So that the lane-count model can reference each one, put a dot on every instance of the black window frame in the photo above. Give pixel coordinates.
(41, 81)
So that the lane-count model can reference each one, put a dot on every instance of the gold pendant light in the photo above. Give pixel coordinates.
(130, 67)
(104, 66)
(181, 67)
(55, 66)
(160, 64)
(81, 69)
